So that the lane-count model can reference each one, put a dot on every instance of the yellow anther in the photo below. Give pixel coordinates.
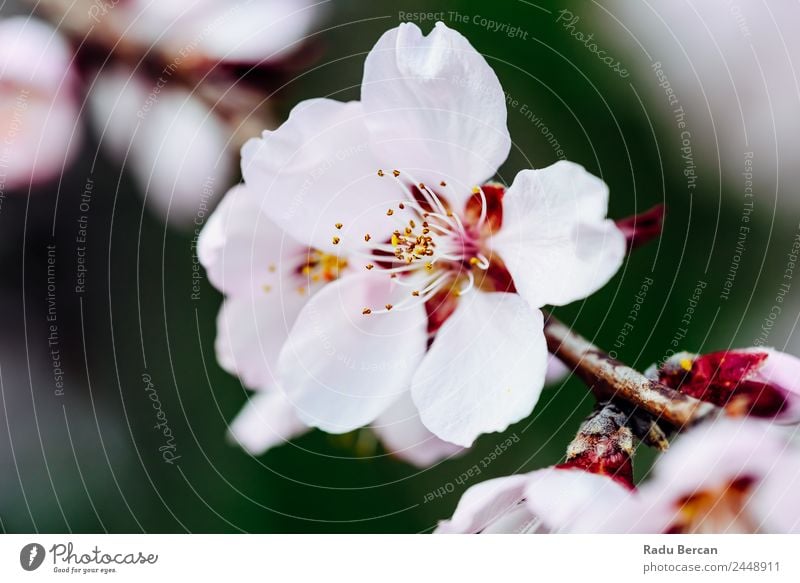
(389, 213)
(429, 266)
(389, 306)
(367, 237)
(422, 186)
(366, 311)
(686, 364)
(473, 261)
(369, 266)
(272, 268)
(396, 173)
(336, 240)
(338, 225)
(380, 172)
(415, 293)
(266, 288)
(395, 240)
(476, 190)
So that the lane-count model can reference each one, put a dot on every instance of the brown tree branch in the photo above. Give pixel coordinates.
(611, 379)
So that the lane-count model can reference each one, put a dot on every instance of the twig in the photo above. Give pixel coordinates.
(611, 379)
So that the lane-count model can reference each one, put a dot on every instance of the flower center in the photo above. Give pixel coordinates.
(716, 510)
(312, 268)
(437, 253)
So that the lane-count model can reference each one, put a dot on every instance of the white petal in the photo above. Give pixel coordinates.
(251, 331)
(40, 129)
(34, 55)
(402, 433)
(775, 503)
(175, 146)
(572, 500)
(114, 98)
(180, 156)
(235, 30)
(267, 420)
(707, 458)
(556, 370)
(782, 371)
(485, 369)
(318, 169)
(255, 32)
(554, 240)
(39, 135)
(436, 108)
(245, 253)
(341, 368)
(492, 506)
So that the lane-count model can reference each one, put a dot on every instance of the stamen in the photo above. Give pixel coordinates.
(484, 205)
(469, 285)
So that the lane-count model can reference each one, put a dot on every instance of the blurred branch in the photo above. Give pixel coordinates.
(242, 107)
(611, 379)
(644, 227)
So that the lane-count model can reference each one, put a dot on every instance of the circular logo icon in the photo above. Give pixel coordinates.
(31, 556)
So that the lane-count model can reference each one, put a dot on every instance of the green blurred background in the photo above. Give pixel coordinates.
(89, 462)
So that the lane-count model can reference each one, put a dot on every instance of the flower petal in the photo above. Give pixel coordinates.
(436, 108)
(342, 368)
(317, 170)
(251, 331)
(782, 371)
(485, 369)
(255, 32)
(267, 420)
(556, 370)
(240, 31)
(775, 501)
(572, 500)
(492, 506)
(180, 156)
(403, 434)
(40, 125)
(245, 253)
(175, 145)
(555, 241)
(706, 459)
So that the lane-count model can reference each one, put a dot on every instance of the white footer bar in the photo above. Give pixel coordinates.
(407, 558)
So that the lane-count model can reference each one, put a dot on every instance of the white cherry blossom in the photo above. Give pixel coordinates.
(448, 270)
